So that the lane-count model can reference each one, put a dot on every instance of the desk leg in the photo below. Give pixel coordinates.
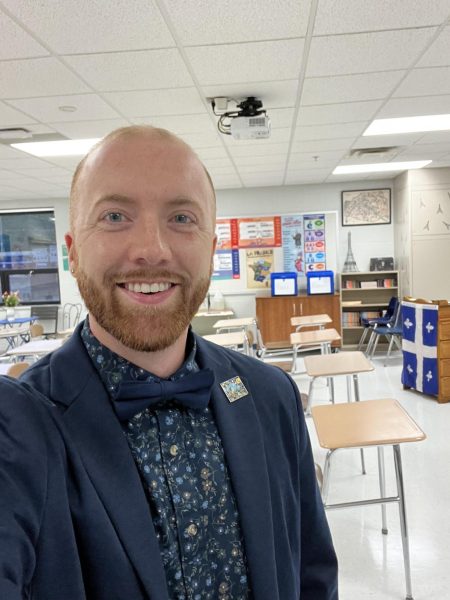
(356, 388)
(294, 358)
(326, 476)
(403, 525)
(310, 393)
(382, 479)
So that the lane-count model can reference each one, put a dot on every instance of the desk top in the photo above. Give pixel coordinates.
(228, 323)
(214, 313)
(40, 347)
(17, 320)
(10, 332)
(317, 336)
(310, 320)
(339, 363)
(366, 423)
(234, 338)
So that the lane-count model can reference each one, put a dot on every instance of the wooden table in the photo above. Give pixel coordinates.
(37, 348)
(310, 321)
(349, 364)
(376, 423)
(233, 339)
(318, 337)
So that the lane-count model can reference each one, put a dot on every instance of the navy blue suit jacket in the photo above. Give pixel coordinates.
(74, 520)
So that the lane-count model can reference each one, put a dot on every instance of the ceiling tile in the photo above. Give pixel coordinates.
(298, 159)
(365, 15)
(366, 52)
(226, 181)
(324, 132)
(140, 70)
(274, 94)
(262, 180)
(9, 117)
(156, 102)
(435, 137)
(306, 176)
(66, 162)
(93, 26)
(212, 163)
(437, 54)
(410, 107)
(322, 145)
(274, 160)
(16, 42)
(89, 129)
(264, 61)
(38, 77)
(266, 150)
(222, 171)
(419, 82)
(201, 140)
(264, 20)
(27, 162)
(179, 124)
(349, 88)
(337, 113)
(88, 107)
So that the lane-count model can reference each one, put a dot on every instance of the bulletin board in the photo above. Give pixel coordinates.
(250, 248)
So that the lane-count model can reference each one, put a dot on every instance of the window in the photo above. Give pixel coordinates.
(28, 256)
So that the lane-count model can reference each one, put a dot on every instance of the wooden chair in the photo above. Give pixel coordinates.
(36, 330)
(17, 369)
(372, 423)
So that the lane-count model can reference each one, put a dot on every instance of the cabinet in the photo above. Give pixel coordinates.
(364, 294)
(274, 315)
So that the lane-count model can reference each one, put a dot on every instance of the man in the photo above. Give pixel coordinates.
(139, 461)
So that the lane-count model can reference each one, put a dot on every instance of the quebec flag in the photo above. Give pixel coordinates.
(420, 368)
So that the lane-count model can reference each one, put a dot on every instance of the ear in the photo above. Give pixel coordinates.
(69, 239)
(214, 244)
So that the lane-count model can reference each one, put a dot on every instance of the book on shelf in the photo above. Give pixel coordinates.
(368, 285)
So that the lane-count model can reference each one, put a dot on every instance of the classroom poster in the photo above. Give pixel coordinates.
(259, 232)
(227, 234)
(226, 264)
(314, 243)
(292, 233)
(259, 267)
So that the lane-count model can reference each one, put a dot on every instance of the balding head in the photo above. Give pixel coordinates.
(152, 134)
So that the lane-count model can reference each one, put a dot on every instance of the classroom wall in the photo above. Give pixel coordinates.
(423, 236)
(367, 242)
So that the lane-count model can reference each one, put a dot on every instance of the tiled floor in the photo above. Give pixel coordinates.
(371, 564)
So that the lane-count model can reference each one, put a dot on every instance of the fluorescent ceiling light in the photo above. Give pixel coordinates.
(58, 147)
(408, 125)
(380, 167)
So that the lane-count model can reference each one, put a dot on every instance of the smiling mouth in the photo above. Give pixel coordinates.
(146, 288)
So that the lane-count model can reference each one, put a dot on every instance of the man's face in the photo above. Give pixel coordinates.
(143, 239)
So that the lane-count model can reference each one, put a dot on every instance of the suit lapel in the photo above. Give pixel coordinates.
(238, 426)
(106, 456)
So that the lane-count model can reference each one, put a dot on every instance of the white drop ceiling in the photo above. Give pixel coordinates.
(324, 69)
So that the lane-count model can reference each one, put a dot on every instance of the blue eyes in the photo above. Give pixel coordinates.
(182, 219)
(114, 217)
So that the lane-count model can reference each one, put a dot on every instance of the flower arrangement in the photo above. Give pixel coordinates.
(11, 298)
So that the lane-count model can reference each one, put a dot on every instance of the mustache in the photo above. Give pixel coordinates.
(144, 275)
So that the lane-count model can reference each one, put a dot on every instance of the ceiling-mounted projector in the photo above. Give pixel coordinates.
(250, 122)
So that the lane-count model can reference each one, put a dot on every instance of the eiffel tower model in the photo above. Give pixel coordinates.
(350, 262)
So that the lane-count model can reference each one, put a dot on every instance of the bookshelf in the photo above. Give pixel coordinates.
(364, 294)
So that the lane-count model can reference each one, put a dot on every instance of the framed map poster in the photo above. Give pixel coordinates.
(366, 207)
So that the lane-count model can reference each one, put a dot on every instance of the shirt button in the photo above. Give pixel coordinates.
(192, 529)
(173, 450)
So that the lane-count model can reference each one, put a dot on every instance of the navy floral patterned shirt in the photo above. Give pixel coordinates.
(180, 459)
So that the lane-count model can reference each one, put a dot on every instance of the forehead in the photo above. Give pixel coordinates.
(147, 162)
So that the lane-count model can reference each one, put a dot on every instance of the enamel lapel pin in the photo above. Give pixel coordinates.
(234, 389)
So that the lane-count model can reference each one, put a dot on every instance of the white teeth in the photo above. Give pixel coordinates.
(147, 288)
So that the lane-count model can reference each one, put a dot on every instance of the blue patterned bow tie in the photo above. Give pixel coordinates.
(192, 391)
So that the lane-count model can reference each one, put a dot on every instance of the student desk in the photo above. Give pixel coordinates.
(349, 364)
(310, 321)
(372, 423)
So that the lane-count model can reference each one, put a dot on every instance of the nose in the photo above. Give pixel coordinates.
(149, 244)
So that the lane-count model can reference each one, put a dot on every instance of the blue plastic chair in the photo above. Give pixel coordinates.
(393, 332)
(390, 313)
